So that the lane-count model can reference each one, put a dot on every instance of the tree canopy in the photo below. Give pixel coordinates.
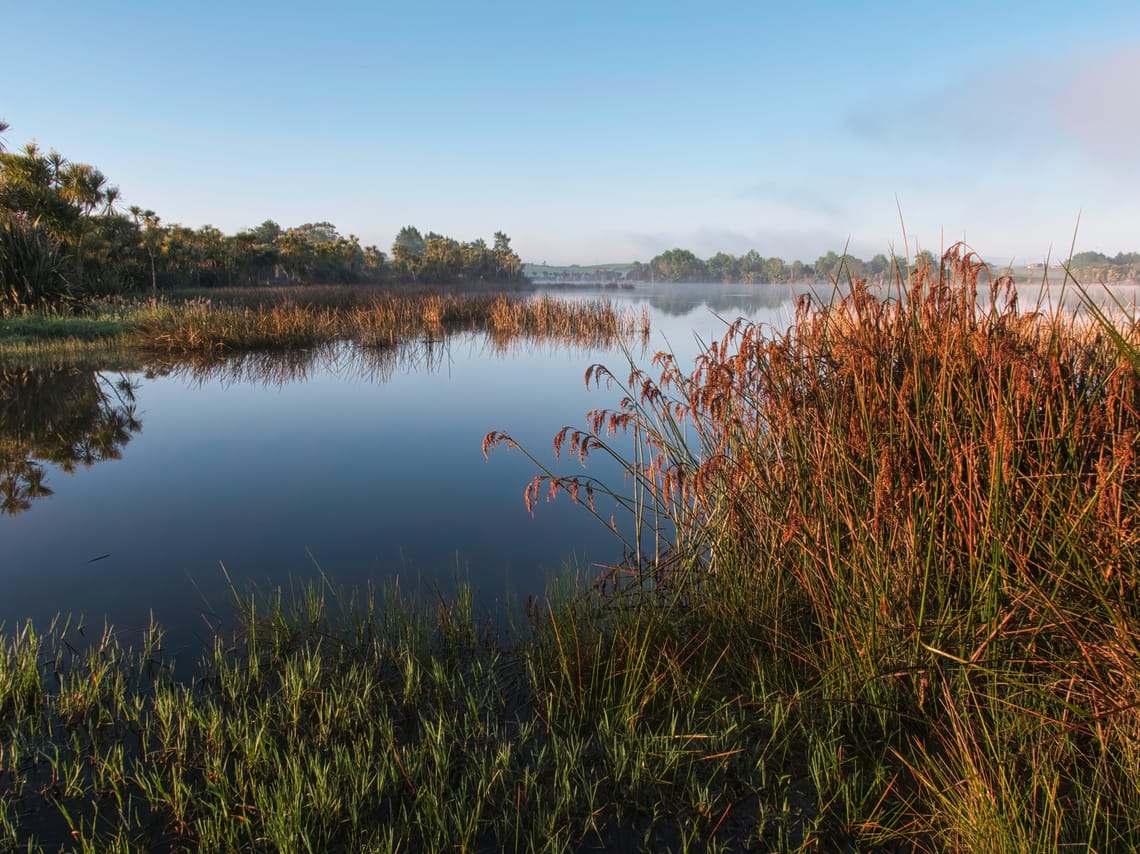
(62, 236)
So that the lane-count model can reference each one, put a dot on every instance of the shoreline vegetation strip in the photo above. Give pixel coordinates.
(311, 317)
(885, 598)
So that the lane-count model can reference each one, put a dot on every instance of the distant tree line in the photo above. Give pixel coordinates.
(681, 265)
(63, 234)
(1097, 267)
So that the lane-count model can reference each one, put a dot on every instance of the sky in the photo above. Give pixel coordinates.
(595, 132)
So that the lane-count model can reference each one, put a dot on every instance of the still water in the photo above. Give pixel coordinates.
(150, 491)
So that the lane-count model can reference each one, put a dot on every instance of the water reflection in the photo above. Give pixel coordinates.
(732, 300)
(725, 300)
(372, 365)
(69, 418)
(368, 365)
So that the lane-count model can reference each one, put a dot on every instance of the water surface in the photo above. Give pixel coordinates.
(365, 466)
(151, 491)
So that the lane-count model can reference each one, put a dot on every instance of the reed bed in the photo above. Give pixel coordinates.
(199, 326)
(309, 318)
(390, 319)
(919, 509)
(383, 320)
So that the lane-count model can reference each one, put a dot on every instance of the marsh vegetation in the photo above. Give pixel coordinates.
(879, 591)
(300, 318)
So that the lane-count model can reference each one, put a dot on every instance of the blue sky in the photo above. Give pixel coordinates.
(603, 131)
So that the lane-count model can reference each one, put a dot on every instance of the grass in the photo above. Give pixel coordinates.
(47, 337)
(881, 594)
(367, 723)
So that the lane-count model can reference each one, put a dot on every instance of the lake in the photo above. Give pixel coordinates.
(363, 466)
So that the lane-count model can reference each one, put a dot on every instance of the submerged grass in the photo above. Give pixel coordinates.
(369, 723)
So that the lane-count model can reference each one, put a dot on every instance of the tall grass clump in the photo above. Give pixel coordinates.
(200, 326)
(919, 508)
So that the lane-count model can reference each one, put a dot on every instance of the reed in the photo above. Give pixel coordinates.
(924, 502)
(390, 319)
(198, 326)
(383, 319)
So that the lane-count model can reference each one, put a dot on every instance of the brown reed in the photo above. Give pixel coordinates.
(926, 500)
(384, 319)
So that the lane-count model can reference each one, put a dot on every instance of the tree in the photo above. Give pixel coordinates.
(374, 262)
(1088, 259)
(775, 270)
(267, 232)
(478, 260)
(408, 241)
(85, 188)
(925, 260)
(508, 265)
(318, 232)
(407, 250)
(723, 267)
(442, 258)
(75, 205)
(678, 265)
(751, 267)
(147, 223)
(827, 265)
(30, 184)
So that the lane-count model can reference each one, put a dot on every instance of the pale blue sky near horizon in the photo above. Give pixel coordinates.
(603, 131)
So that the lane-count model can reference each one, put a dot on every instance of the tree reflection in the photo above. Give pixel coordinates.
(68, 418)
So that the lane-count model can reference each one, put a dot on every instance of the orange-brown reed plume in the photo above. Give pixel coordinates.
(926, 498)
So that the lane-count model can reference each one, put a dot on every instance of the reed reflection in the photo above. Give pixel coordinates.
(373, 365)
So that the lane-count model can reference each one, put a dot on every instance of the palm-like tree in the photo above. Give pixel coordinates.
(85, 188)
(150, 236)
(28, 183)
(110, 196)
